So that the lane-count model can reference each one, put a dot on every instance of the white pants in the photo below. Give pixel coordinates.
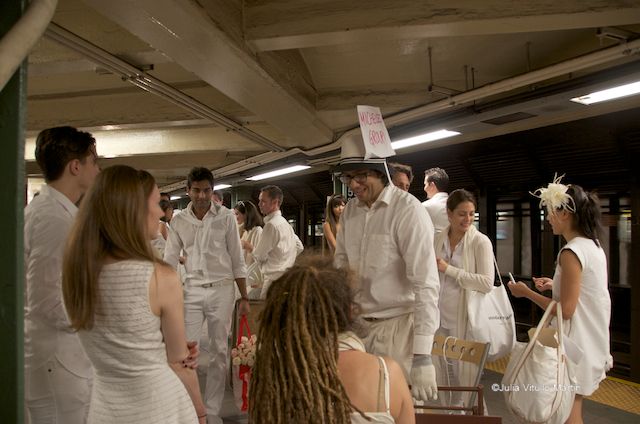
(215, 305)
(391, 337)
(55, 395)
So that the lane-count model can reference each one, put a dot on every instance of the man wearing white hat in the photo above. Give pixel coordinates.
(386, 236)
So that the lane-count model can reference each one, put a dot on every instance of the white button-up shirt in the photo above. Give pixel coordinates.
(211, 246)
(277, 249)
(390, 246)
(47, 222)
(437, 208)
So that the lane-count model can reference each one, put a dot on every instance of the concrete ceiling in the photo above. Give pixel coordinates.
(236, 85)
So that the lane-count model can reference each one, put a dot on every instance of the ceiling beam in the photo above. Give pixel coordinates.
(296, 24)
(186, 33)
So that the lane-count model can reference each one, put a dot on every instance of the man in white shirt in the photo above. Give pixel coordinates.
(58, 374)
(387, 239)
(436, 182)
(401, 175)
(279, 245)
(206, 235)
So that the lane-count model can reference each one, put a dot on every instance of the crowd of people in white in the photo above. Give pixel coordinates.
(111, 327)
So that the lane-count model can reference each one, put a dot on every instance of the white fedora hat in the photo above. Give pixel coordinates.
(352, 156)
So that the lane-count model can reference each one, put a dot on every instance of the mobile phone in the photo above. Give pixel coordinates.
(513, 280)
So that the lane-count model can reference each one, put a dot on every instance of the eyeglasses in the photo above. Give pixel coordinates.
(359, 178)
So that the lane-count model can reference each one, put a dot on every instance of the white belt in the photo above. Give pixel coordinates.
(209, 285)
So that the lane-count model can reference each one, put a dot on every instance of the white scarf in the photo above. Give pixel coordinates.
(467, 240)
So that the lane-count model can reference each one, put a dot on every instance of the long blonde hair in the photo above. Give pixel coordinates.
(111, 222)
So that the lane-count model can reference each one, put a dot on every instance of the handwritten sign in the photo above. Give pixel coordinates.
(374, 133)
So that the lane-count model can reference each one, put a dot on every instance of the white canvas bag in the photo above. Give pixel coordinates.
(491, 319)
(536, 385)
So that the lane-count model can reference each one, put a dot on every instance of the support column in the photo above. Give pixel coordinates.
(517, 238)
(536, 238)
(614, 242)
(634, 281)
(303, 222)
(241, 193)
(12, 196)
(487, 209)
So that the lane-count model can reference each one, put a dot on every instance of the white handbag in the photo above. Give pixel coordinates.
(537, 386)
(491, 320)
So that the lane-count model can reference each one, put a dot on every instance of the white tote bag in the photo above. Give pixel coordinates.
(491, 320)
(536, 385)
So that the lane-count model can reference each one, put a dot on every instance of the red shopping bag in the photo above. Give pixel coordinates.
(242, 358)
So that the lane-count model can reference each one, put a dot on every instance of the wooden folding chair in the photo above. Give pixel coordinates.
(466, 351)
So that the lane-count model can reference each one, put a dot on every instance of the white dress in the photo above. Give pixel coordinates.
(133, 382)
(589, 325)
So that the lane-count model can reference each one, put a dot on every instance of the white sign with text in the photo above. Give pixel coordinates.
(374, 133)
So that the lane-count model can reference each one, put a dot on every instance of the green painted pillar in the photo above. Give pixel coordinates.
(12, 197)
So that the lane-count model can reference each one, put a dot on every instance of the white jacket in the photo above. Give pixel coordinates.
(477, 273)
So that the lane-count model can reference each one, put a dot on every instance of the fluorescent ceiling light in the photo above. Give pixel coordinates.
(277, 172)
(423, 138)
(221, 186)
(175, 197)
(609, 94)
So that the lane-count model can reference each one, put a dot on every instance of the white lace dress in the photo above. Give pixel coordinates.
(133, 382)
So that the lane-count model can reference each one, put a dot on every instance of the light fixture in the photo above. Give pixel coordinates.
(277, 172)
(175, 197)
(221, 186)
(423, 138)
(609, 94)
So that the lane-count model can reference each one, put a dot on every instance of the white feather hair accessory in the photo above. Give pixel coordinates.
(554, 196)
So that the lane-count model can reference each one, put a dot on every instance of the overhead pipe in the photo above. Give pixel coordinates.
(16, 44)
(152, 85)
(562, 68)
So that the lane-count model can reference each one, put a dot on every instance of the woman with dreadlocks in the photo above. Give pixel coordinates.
(310, 368)
(579, 284)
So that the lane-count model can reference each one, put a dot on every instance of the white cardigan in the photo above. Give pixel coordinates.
(477, 273)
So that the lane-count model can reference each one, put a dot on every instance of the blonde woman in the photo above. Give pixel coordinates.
(335, 206)
(126, 305)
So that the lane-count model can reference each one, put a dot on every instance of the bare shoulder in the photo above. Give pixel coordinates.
(165, 274)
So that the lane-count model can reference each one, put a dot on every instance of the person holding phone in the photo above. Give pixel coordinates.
(579, 284)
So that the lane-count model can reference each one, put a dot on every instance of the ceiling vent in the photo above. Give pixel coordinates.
(512, 117)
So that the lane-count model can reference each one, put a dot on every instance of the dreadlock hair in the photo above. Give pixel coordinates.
(295, 376)
(587, 213)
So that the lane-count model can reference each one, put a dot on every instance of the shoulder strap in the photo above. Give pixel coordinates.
(383, 386)
(495, 262)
